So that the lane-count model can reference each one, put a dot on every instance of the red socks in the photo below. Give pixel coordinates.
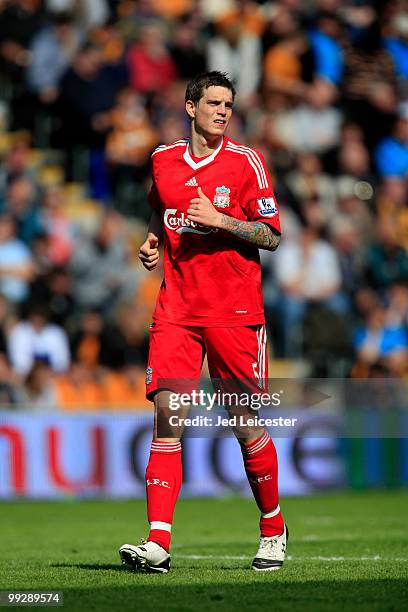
(163, 482)
(261, 467)
(164, 476)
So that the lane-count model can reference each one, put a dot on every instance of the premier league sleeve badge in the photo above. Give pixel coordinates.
(149, 374)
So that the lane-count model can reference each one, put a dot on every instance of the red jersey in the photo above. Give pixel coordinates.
(211, 278)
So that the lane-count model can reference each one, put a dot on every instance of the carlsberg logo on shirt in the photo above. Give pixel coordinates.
(180, 224)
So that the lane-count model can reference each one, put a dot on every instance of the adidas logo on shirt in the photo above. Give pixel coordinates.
(191, 183)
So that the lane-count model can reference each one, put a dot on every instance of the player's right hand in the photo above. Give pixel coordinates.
(149, 252)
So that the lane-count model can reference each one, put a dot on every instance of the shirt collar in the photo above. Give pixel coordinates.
(205, 160)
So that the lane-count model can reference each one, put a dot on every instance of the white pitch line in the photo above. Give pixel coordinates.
(292, 558)
(225, 557)
(328, 538)
(318, 520)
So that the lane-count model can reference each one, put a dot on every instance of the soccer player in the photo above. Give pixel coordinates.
(213, 208)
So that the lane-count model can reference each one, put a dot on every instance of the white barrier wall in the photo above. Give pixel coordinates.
(52, 455)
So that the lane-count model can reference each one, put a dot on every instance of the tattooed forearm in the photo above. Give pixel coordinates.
(254, 232)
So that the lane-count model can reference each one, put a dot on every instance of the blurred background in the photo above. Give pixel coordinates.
(88, 88)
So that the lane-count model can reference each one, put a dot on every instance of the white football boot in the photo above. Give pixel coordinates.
(147, 556)
(271, 552)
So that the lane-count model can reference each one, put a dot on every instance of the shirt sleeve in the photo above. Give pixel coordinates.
(257, 198)
(153, 197)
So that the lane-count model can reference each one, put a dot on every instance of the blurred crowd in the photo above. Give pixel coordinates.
(88, 88)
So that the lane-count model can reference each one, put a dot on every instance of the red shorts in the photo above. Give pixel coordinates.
(176, 355)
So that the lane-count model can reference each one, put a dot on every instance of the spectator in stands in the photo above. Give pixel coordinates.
(130, 141)
(20, 20)
(354, 161)
(35, 338)
(151, 67)
(131, 14)
(79, 389)
(7, 379)
(132, 322)
(369, 82)
(57, 226)
(172, 9)
(247, 13)
(387, 262)
(353, 207)
(86, 344)
(16, 264)
(21, 202)
(312, 126)
(54, 288)
(308, 181)
(167, 109)
(109, 40)
(392, 202)
(307, 272)
(16, 162)
(88, 91)
(40, 251)
(346, 238)
(351, 135)
(328, 54)
(51, 52)
(237, 52)
(38, 390)
(283, 67)
(380, 342)
(4, 318)
(8, 394)
(186, 51)
(90, 85)
(125, 389)
(101, 272)
(88, 13)
(391, 155)
(397, 305)
(170, 127)
(98, 344)
(396, 43)
(281, 21)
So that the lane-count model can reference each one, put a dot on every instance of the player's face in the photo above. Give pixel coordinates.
(212, 113)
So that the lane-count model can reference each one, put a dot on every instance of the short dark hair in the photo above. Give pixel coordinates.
(196, 87)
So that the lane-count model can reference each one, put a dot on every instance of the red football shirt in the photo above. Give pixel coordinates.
(211, 279)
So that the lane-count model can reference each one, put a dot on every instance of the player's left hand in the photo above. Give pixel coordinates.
(202, 211)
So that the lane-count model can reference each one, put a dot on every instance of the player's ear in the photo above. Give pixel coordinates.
(190, 109)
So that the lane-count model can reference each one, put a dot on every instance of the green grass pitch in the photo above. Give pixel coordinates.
(346, 552)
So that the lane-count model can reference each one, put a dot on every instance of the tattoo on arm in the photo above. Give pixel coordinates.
(254, 232)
